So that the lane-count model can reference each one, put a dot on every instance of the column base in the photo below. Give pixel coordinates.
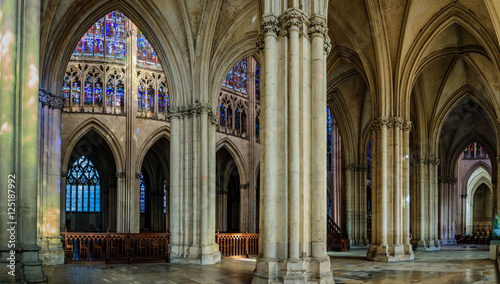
(390, 253)
(203, 255)
(361, 243)
(51, 252)
(426, 245)
(31, 265)
(448, 242)
(304, 270)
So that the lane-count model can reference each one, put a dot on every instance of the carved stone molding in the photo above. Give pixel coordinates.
(57, 102)
(356, 168)
(179, 112)
(121, 175)
(327, 46)
(407, 125)
(137, 175)
(132, 32)
(43, 97)
(245, 186)
(498, 159)
(418, 161)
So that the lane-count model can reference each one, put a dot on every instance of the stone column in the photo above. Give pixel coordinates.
(356, 207)
(19, 70)
(292, 245)
(426, 204)
(49, 200)
(389, 194)
(128, 217)
(192, 203)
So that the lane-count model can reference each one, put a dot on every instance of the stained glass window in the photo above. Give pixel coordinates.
(237, 117)
(329, 142)
(105, 38)
(162, 99)
(83, 190)
(75, 92)
(145, 52)
(222, 115)
(257, 81)
(257, 127)
(143, 195)
(237, 77)
(164, 196)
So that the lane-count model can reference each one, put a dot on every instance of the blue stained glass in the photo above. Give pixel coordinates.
(257, 126)
(237, 116)
(91, 199)
(119, 94)
(328, 123)
(87, 96)
(151, 98)
(98, 93)
(68, 197)
(97, 198)
(257, 81)
(161, 100)
(222, 115)
(168, 101)
(76, 93)
(229, 79)
(80, 198)
(142, 195)
(99, 47)
(164, 196)
(110, 93)
(85, 197)
(73, 198)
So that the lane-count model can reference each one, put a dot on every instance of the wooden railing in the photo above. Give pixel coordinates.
(237, 245)
(144, 247)
(337, 240)
(115, 247)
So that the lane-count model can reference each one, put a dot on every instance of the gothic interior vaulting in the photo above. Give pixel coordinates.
(192, 131)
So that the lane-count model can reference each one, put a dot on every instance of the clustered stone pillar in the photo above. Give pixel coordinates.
(49, 176)
(425, 204)
(356, 208)
(447, 195)
(19, 87)
(390, 193)
(128, 216)
(292, 240)
(192, 185)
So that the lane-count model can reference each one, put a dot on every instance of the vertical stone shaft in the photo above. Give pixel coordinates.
(175, 170)
(406, 183)
(318, 143)
(293, 142)
(269, 130)
(204, 200)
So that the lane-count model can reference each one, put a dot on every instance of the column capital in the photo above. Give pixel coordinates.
(395, 122)
(418, 160)
(120, 174)
(270, 26)
(317, 26)
(56, 102)
(292, 19)
(245, 186)
(380, 122)
(407, 125)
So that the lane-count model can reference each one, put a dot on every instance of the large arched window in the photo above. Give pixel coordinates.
(101, 88)
(83, 187)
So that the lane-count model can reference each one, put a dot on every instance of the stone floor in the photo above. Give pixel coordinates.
(457, 264)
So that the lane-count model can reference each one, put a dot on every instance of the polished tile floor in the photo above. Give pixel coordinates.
(450, 265)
